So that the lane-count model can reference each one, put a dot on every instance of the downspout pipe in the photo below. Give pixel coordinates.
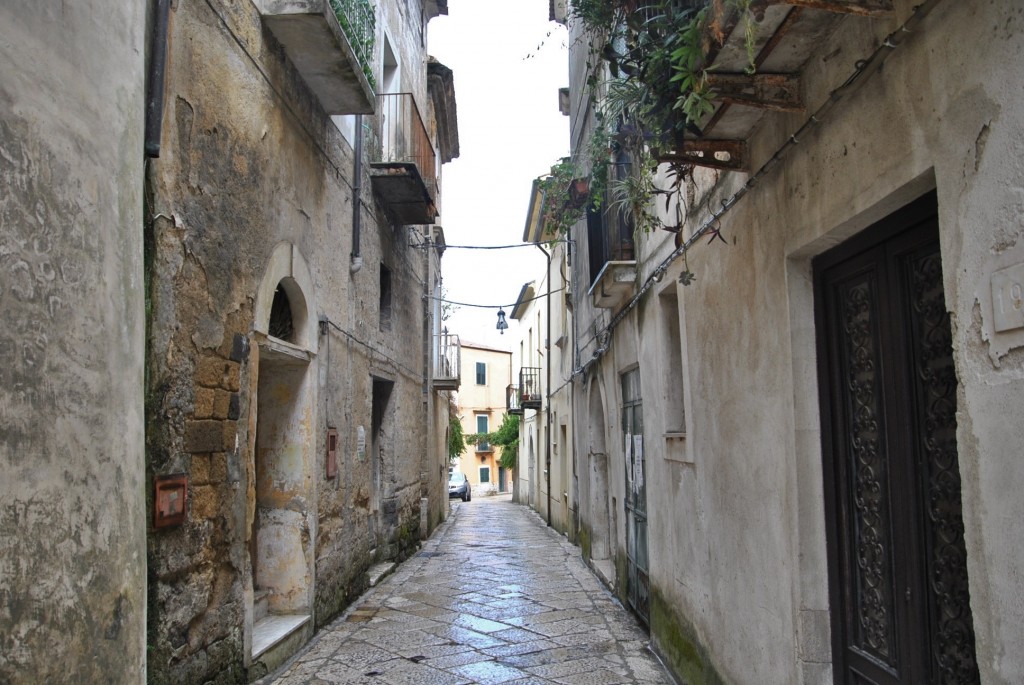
(155, 80)
(357, 202)
(547, 381)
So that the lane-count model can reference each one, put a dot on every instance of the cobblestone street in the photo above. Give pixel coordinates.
(493, 597)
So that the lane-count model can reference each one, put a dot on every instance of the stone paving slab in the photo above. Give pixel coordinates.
(494, 597)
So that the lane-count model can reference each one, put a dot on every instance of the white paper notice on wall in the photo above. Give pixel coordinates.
(629, 460)
(638, 461)
(1008, 298)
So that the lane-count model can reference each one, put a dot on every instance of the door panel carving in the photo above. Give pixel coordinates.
(897, 560)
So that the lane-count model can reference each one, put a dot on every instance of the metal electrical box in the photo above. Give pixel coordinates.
(170, 500)
(332, 452)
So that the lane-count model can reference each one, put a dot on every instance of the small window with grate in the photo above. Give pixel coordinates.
(385, 298)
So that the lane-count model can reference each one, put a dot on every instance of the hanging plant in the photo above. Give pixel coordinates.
(654, 53)
(560, 210)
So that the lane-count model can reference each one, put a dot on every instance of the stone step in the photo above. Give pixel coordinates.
(276, 637)
(378, 572)
(260, 605)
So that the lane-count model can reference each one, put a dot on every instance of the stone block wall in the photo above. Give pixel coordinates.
(250, 164)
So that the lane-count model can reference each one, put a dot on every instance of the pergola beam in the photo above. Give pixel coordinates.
(778, 92)
(864, 8)
(728, 155)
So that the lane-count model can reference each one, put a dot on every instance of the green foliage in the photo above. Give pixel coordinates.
(654, 53)
(456, 439)
(358, 22)
(506, 437)
(560, 214)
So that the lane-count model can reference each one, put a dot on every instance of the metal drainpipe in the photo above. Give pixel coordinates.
(357, 186)
(573, 258)
(426, 466)
(155, 85)
(547, 381)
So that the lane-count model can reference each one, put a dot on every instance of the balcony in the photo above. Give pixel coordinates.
(750, 76)
(403, 162)
(447, 364)
(512, 400)
(330, 42)
(529, 388)
(614, 285)
(612, 259)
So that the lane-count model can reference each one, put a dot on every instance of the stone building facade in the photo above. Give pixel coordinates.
(293, 258)
(837, 376)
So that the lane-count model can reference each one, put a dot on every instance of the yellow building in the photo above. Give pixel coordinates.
(486, 373)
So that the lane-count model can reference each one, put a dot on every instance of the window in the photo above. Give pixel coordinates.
(670, 347)
(385, 298)
(481, 428)
(390, 73)
(485, 474)
(609, 230)
(281, 324)
(481, 373)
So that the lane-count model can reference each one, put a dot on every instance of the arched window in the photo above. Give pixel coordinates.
(281, 326)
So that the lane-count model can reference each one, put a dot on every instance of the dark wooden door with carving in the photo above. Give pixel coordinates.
(897, 563)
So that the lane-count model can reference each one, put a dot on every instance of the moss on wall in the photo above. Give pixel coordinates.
(583, 540)
(621, 571)
(676, 642)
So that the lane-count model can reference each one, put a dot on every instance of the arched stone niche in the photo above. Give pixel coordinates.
(283, 463)
(288, 269)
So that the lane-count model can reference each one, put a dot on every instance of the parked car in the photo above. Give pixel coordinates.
(458, 486)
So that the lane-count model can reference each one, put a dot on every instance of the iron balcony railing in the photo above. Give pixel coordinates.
(529, 387)
(447, 361)
(403, 137)
(359, 22)
(512, 403)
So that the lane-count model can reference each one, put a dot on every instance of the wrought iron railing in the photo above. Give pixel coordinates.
(359, 22)
(512, 403)
(447, 359)
(404, 138)
(529, 387)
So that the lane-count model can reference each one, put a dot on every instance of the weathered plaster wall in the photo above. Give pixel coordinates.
(72, 514)
(251, 162)
(553, 352)
(739, 574)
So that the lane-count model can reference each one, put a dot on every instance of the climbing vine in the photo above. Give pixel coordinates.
(506, 437)
(648, 74)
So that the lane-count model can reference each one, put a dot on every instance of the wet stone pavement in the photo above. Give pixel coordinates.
(493, 597)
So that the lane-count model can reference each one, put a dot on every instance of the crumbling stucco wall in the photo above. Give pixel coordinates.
(737, 528)
(72, 514)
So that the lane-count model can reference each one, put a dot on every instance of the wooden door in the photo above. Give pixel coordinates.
(897, 562)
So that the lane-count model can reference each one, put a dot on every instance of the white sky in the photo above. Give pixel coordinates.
(510, 132)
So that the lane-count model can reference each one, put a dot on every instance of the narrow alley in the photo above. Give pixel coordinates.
(493, 597)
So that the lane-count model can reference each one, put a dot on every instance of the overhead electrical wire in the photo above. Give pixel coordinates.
(492, 306)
